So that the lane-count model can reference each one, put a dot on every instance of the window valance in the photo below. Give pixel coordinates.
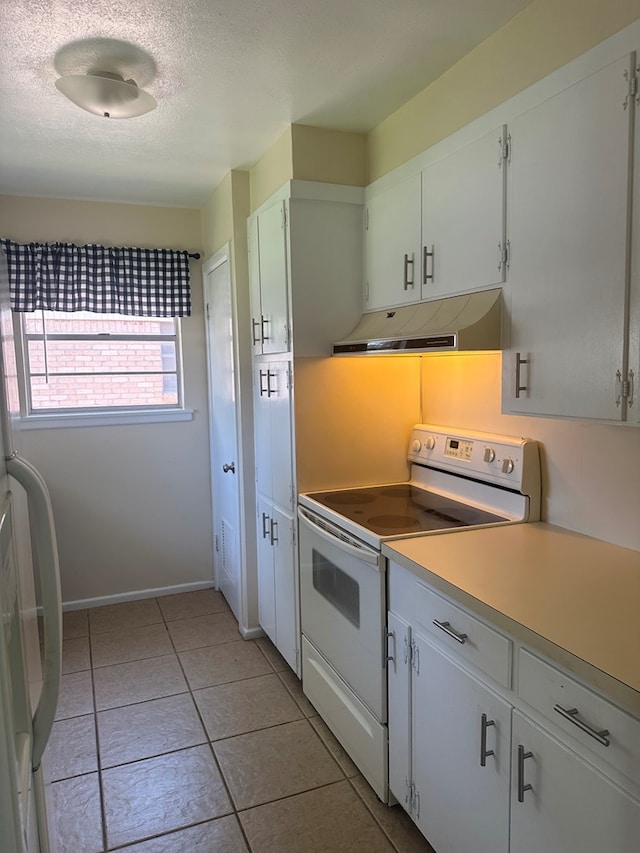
(102, 279)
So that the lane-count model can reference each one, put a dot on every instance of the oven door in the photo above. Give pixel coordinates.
(343, 609)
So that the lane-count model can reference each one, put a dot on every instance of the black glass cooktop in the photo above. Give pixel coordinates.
(402, 508)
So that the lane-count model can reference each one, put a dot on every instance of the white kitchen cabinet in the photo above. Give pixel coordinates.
(569, 186)
(277, 581)
(570, 807)
(272, 418)
(267, 241)
(463, 218)
(393, 248)
(305, 270)
(483, 768)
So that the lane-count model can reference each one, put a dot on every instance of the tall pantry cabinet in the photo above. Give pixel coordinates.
(305, 271)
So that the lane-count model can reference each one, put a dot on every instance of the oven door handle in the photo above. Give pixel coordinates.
(360, 552)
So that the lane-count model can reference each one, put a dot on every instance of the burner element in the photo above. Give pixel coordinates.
(348, 498)
(395, 522)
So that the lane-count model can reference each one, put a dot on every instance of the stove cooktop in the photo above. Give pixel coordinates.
(402, 508)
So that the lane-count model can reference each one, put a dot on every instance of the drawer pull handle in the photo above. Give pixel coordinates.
(484, 752)
(446, 627)
(522, 757)
(601, 736)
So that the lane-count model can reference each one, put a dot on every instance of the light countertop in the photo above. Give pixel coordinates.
(574, 598)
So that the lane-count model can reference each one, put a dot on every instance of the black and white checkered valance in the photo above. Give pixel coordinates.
(102, 279)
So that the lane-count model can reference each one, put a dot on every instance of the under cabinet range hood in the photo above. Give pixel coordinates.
(454, 324)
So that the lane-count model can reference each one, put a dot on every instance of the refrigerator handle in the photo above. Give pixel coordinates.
(44, 534)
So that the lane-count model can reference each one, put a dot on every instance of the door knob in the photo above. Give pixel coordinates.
(230, 467)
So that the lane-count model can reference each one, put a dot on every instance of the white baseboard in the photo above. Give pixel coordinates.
(251, 633)
(136, 595)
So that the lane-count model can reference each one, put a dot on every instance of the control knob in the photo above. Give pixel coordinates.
(416, 445)
(507, 466)
(430, 443)
(489, 454)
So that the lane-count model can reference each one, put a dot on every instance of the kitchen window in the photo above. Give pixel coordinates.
(86, 364)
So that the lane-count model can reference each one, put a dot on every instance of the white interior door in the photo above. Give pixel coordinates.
(225, 471)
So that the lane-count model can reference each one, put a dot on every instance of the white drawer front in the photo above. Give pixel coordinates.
(464, 635)
(364, 738)
(551, 692)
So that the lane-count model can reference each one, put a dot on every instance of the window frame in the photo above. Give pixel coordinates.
(32, 418)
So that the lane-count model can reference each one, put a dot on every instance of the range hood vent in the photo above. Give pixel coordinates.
(455, 324)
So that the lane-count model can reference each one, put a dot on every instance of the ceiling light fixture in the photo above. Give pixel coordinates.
(105, 94)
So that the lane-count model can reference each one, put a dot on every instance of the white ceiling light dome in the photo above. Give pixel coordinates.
(105, 94)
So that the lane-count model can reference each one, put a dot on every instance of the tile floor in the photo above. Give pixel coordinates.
(174, 734)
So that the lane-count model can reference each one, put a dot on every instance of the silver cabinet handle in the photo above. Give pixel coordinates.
(446, 627)
(522, 757)
(264, 322)
(408, 261)
(602, 736)
(231, 466)
(271, 392)
(265, 532)
(263, 390)
(256, 324)
(426, 254)
(274, 529)
(386, 657)
(484, 752)
(519, 362)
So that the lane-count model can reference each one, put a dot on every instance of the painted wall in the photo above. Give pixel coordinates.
(543, 37)
(328, 156)
(274, 168)
(132, 503)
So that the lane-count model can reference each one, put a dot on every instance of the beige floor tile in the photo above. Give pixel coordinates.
(188, 604)
(294, 686)
(216, 836)
(245, 706)
(334, 747)
(222, 663)
(128, 614)
(148, 729)
(75, 623)
(75, 817)
(332, 819)
(203, 631)
(138, 681)
(75, 655)
(149, 641)
(272, 654)
(71, 750)
(76, 695)
(275, 763)
(394, 821)
(157, 795)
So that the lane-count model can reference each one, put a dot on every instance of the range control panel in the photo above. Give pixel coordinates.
(510, 462)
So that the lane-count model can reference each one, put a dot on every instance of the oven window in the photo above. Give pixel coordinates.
(336, 587)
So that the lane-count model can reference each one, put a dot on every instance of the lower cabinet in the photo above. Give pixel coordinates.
(277, 583)
(478, 769)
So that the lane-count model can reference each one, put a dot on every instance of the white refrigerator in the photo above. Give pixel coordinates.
(30, 661)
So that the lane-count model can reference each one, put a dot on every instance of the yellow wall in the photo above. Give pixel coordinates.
(273, 169)
(543, 37)
(328, 156)
(217, 217)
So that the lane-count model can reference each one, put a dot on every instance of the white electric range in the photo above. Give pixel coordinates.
(459, 480)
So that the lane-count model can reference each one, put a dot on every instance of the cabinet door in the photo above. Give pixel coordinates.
(463, 197)
(262, 430)
(279, 401)
(461, 756)
(570, 806)
(272, 263)
(568, 191)
(392, 245)
(285, 585)
(266, 580)
(399, 675)
(253, 255)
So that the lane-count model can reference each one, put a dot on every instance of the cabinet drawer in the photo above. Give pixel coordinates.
(463, 634)
(552, 692)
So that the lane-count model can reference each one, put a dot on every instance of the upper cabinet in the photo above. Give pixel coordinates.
(392, 245)
(267, 236)
(463, 218)
(569, 209)
(439, 232)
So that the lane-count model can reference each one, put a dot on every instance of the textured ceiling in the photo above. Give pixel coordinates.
(229, 76)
